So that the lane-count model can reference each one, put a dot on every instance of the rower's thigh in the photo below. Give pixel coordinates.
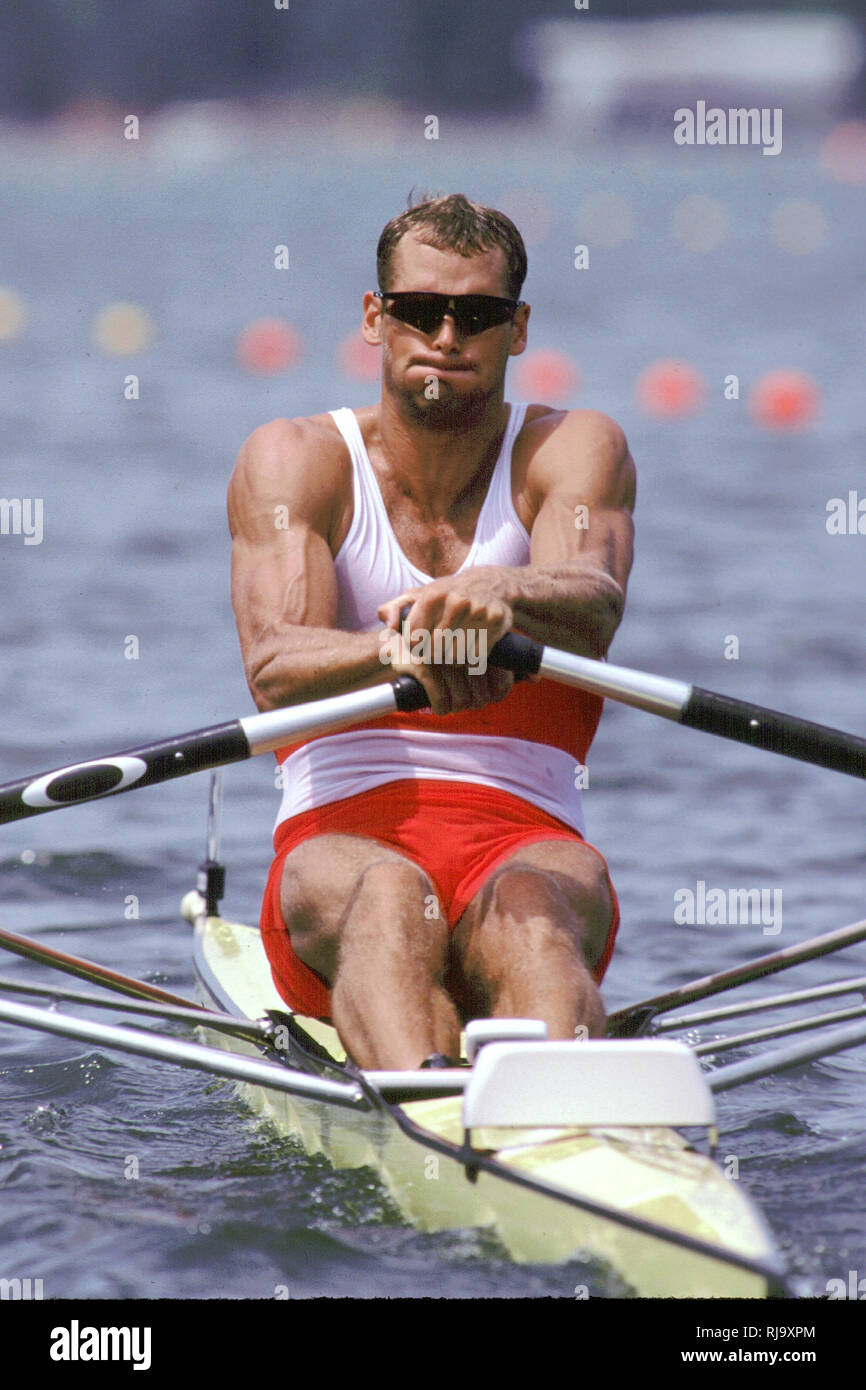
(321, 877)
(561, 881)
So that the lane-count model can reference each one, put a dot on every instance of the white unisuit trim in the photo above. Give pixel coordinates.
(344, 765)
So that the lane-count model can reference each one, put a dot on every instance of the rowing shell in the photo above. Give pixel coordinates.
(638, 1199)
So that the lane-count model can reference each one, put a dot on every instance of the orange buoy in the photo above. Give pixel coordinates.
(784, 400)
(547, 374)
(670, 388)
(269, 346)
(843, 153)
(359, 359)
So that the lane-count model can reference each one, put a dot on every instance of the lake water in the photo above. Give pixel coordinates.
(731, 541)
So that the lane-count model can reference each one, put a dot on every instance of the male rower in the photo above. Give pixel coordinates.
(431, 867)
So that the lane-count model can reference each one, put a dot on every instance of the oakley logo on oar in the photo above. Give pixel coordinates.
(82, 781)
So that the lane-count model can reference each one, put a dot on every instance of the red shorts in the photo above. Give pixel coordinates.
(456, 832)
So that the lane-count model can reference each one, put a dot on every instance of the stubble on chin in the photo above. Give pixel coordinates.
(450, 410)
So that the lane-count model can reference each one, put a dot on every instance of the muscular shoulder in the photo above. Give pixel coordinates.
(286, 449)
(584, 451)
(301, 463)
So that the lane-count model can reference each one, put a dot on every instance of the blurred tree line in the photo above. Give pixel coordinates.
(447, 55)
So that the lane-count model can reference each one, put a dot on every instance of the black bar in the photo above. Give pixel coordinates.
(636, 1016)
(95, 777)
(513, 652)
(775, 732)
(517, 653)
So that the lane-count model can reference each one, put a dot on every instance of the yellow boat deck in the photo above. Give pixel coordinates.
(641, 1200)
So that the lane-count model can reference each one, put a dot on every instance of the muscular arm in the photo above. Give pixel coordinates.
(572, 593)
(283, 503)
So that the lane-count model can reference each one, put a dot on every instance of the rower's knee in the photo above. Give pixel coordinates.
(546, 908)
(315, 913)
(394, 881)
(395, 903)
(523, 891)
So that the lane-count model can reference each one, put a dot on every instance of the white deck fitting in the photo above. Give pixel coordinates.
(481, 1031)
(607, 1082)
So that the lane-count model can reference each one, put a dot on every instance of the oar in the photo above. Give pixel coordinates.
(89, 970)
(196, 1055)
(702, 709)
(262, 733)
(625, 1021)
(215, 746)
(781, 1058)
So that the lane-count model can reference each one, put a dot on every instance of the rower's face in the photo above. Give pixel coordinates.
(468, 370)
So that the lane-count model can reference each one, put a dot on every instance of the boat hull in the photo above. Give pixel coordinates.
(653, 1211)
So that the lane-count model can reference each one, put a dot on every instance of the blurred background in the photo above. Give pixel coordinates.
(464, 58)
(190, 199)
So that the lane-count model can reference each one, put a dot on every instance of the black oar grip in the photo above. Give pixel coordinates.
(775, 732)
(409, 694)
(513, 652)
(518, 654)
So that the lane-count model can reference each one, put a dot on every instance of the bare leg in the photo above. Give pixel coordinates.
(359, 914)
(527, 941)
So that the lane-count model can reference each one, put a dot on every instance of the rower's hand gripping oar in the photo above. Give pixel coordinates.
(238, 739)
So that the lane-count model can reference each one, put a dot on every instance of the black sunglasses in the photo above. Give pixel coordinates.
(472, 313)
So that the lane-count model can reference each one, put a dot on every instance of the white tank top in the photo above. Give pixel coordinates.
(371, 568)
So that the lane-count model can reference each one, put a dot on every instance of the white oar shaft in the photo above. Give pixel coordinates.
(655, 694)
(837, 1040)
(183, 1054)
(739, 720)
(267, 732)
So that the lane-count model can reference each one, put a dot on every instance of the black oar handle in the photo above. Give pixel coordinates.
(775, 732)
(517, 653)
(513, 652)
